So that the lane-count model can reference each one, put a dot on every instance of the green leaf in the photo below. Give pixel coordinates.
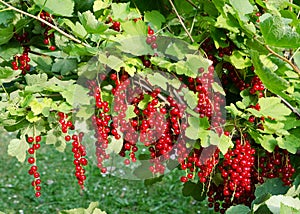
(64, 66)
(5, 72)
(273, 186)
(234, 111)
(227, 23)
(238, 209)
(155, 18)
(191, 98)
(271, 107)
(130, 112)
(135, 28)
(274, 203)
(277, 32)
(225, 143)
(291, 142)
(91, 24)
(239, 60)
(32, 118)
(6, 34)
(243, 7)
(111, 61)
(151, 181)
(85, 112)
(6, 16)
(218, 88)
(76, 95)
(115, 145)
(77, 29)
(158, 80)
(135, 45)
(9, 50)
(143, 103)
(101, 4)
(36, 79)
(268, 142)
(57, 7)
(271, 80)
(18, 148)
(287, 209)
(194, 62)
(120, 10)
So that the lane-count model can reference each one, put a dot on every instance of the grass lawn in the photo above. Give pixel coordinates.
(61, 192)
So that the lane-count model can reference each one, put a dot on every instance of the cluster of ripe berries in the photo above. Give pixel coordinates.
(77, 148)
(35, 145)
(22, 61)
(47, 36)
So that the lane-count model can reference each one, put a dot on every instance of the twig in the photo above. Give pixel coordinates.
(289, 106)
(192, 3)
(181, 22)
(45, 22)
(283, 59)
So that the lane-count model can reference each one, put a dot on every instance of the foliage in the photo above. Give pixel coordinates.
(147, 83)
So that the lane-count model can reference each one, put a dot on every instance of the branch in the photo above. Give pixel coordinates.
(290, 106)
(45, 22)
(192, 3)
(181, 22)
(283, 59)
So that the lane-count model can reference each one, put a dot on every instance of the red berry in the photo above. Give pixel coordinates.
(31, 160)
(52, 48)
(30, 139)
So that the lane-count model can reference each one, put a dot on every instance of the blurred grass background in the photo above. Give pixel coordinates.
(61, 192)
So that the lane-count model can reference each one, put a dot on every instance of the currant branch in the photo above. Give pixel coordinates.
(71, 37)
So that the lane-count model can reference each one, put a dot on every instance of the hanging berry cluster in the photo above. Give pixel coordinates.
(35, 145)
(48, 36)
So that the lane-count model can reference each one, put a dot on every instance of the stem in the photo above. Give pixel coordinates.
(180, 20)
(192, 3)
(71, 37)
(289, 106)
(283, 59)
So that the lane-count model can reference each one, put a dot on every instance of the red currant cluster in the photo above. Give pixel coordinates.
(151, 40)
(101, 123)
(257, 85)
(201, 162)
(115, 24)
(234, 77)
(79, 157)
(47, 37)
(77, 148)
(32, 160)
(276, 165)
(237, 170)
(22, 62)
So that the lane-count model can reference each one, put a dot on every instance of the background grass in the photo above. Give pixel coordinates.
(61, 192)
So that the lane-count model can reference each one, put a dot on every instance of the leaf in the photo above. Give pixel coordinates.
(36, 79)
(135, 45)
(287, 209)
(76, 95)
(91, 24)
(64, 66)
(240, 60)
(243, 7)
(115, 145)
(271, 107)
(191, 98)
(120, 10)
(18, 149)
(225, 143)
(234, 111)
(77, 29)
(135, 28)
(7, 51)
(6, 34)
(194, 62)
(6, 17)
(274, 203)
(196, 190)
(271, 80)
(158, 80)
(85, 112)
(143, 103)
(101, 4)
(277, 32)
(151, 181)
(291, 142)
(111, 61)
(57, 7)
(238, 209)
(155, 18)
(218, 88)
(268, 142)
(273, 186)
(227, 23)
(130, 112)
(5, 72)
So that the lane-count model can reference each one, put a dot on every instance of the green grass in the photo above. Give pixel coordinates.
(61, 192)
